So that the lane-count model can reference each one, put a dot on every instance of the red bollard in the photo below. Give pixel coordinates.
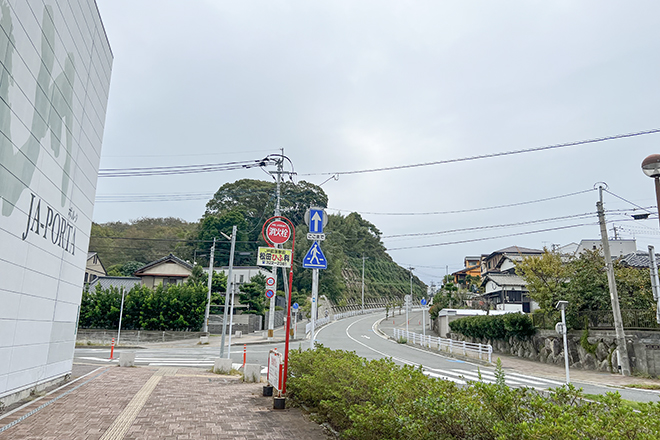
(112, 349)
(244, 354)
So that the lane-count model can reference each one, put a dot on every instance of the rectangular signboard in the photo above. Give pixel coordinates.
(274, 362)
(268, 256)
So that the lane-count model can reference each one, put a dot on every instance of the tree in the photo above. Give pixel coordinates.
(253, 294)
(546, 276)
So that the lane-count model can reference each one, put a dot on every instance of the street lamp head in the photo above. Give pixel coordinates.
(651, 165)
(561, 305)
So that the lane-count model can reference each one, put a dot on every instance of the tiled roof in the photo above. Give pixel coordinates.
(639, 259)
(504, 279)
(170, 257)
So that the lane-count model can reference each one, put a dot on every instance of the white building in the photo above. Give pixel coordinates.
(242, 274)
(54, 83)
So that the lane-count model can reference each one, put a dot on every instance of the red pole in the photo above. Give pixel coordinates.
(112, 349)
(244, 354)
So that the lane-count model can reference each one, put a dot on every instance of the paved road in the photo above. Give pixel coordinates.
(360, 334)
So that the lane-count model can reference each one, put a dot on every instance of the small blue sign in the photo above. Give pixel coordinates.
(316, 221)
(295, 306)
(423, 301)
(315, 258)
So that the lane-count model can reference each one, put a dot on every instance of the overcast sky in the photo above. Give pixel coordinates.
(352, 85)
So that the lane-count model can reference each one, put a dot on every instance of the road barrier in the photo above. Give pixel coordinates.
(443, 344)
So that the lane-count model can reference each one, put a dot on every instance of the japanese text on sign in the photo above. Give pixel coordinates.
(274, 257)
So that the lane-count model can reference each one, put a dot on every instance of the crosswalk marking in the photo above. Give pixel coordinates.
(462, 376)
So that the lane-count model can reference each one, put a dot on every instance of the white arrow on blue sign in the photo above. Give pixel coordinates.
(315, 258)
(316, 221)
(295, 306)
(423, 301)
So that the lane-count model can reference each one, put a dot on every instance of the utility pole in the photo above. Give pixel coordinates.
(611, 281)
(363, 258)
(278, 211)
(655, 284)
(205, 327)
(121, 313)
(411, 298)
(229, 286)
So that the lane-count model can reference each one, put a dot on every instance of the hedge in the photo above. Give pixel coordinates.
(178, 307)
(504, 326)
(377, 399)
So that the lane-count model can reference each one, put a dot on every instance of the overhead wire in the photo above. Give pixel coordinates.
(461, 211)
(489, 155)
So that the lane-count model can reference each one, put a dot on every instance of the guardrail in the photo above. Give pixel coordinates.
(337, 316)
(443, 344)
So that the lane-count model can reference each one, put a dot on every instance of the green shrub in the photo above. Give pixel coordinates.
(377, 399)
(495, 326)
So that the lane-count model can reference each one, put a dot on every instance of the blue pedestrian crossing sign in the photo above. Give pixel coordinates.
(315, 258)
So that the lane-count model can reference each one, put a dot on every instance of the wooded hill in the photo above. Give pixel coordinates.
(248, 204)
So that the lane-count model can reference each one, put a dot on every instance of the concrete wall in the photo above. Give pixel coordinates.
(54, 82)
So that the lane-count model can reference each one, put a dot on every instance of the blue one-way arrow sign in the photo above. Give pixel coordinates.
(315, 258)
(316, 221)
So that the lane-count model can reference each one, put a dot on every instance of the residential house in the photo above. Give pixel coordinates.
(94, 268)
(472, 268)
(618, 247)
(504, 260)
(638, 260)
(242, 274)
(502, 287)
(169, 270)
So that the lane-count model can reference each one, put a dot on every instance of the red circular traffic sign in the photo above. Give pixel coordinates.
(278, 232)
(270, 293)
(270, 281)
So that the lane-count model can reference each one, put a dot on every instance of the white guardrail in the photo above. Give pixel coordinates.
(337, 316)
(443, 344)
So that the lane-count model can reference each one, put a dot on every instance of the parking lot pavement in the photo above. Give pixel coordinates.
(157, 403)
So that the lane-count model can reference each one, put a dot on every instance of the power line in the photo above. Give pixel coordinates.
(471, 240)
(183, 169)
(460, 211)
(478, 228)
(627, 201)
(488, 156)
(188, 155)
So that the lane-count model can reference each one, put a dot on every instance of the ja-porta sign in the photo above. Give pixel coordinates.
(278, 232)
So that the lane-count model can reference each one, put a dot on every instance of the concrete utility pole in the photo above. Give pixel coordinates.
(363, 258)
(121, 313)
(614, 296)
(655, 283)
(278, 211)
(230, 282)
(205, 327)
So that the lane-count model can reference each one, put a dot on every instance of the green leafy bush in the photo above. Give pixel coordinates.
(377, 399)
(178, 307)
(495, 326)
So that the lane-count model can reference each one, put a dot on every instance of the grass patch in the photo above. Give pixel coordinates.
(645, 386)
(402, 340)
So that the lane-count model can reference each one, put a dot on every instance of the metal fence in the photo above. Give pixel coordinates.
(448, 345)
(633, 319)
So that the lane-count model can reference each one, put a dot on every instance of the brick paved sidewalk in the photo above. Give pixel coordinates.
(166, 403)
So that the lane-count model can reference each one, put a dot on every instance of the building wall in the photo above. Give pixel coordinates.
(54, 81)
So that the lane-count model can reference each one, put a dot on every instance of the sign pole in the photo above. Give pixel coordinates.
(271, 310)
(229, 287)
(315, 293)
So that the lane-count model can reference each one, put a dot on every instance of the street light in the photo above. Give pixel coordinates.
(651, 167)
(561, 329)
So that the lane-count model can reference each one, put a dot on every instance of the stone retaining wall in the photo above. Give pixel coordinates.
(547, 346)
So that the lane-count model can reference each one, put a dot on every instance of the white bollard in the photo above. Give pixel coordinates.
(127, 359)
(222, 366)
(252, 373)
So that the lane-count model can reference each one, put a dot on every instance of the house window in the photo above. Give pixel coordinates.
(241, 278)
(171, 281)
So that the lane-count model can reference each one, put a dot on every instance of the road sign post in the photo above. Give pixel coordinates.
(271, 283)
(295, 320)
(316, 219)
(423, 316)
(276, 231)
